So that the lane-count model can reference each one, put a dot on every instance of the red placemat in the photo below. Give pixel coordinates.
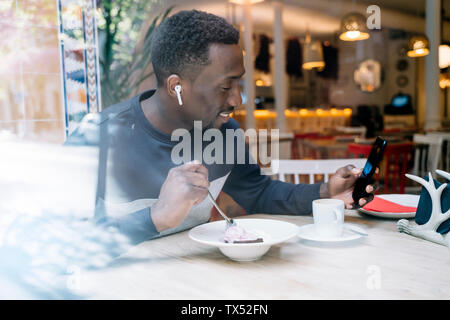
(381, 205)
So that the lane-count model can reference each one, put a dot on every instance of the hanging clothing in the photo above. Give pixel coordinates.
(294, 58)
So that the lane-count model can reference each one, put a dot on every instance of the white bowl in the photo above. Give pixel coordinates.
(272, 232)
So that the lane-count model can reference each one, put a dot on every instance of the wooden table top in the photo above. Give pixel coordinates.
(385, 265)
(326, 143)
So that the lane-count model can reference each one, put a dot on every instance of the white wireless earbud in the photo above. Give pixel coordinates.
(178, 91)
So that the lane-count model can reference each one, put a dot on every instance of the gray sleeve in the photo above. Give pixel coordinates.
(137, 226)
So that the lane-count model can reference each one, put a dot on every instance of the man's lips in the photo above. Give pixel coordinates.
(226, 113)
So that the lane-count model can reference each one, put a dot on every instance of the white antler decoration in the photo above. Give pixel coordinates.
(427, 231)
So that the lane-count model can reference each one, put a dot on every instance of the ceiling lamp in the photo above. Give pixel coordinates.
(444, 56)
(444, 81)
(312, 54)
(353, 27)
(418, 46)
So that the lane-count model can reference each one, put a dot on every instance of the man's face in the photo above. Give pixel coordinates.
(213, 95)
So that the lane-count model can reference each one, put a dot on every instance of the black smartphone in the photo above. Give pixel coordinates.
(366, 177)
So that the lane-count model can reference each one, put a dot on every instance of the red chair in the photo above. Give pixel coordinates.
(393, 166)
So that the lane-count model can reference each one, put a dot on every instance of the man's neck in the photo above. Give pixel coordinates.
(156, 111)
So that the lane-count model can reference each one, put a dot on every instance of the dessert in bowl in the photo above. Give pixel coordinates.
(249, 241)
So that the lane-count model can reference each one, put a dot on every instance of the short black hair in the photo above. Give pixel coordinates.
(182, 42)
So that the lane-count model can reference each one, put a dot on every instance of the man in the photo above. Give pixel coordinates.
(198, 63)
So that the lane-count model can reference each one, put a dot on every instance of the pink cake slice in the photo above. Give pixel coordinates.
(238, 234)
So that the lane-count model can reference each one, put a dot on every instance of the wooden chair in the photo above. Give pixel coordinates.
(309, 146)
(427, 153)
(297, 147)
(394, 164)
(444, 161)
(312, 168)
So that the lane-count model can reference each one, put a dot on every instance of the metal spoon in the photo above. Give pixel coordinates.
(355, 231)
(230, 222)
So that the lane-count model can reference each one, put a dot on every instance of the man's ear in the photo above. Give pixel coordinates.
(173, 81)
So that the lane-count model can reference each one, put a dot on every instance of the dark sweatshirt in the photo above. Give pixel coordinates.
(135, 158)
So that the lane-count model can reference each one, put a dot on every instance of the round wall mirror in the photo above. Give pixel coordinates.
(402, 65)
(368, 75)
(402, 81)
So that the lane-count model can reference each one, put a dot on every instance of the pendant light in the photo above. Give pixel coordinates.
(444, 80)
(418, 46)
(444, 48)
(312, 54)
(353, 27)
(444, 56)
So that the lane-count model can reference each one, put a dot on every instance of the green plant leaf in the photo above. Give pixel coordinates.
(125, 63)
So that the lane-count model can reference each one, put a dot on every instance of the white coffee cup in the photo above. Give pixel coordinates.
(328, 217)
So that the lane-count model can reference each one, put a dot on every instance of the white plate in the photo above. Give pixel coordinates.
(409, 200)
(308, 232)
(272, 231)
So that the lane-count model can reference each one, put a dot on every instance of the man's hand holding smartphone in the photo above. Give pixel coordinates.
(341, 185)
(369, 170)
(354, 186)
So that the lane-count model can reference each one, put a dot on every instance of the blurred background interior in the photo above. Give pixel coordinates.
(329, 74)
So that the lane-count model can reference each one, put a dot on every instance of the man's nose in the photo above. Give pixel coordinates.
(235, 98)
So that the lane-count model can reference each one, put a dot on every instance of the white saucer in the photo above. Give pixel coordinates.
(307, 232)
